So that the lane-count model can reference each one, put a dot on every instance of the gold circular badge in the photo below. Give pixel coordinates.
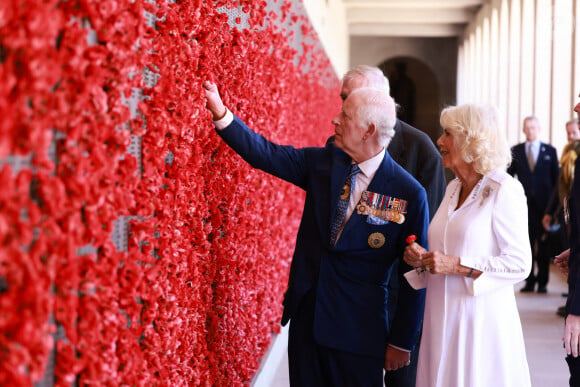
(362, 209)
(376, 240)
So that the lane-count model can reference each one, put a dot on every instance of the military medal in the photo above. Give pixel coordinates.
(395, 217)
(384, 207)
(376, 240)
(345, 192)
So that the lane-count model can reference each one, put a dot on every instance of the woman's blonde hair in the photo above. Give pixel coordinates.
(567, 162)
(477, 135)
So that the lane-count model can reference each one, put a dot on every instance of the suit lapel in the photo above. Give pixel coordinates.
(340, 169)
(541, 154)
(539, 160)
(521, 150)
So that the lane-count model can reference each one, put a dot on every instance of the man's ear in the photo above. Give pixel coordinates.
(371, 130)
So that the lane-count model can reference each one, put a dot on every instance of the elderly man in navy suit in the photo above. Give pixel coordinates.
(536, 166)
(360, 207)
(413, 150)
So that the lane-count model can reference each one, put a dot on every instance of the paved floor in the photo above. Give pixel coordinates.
(542, 330)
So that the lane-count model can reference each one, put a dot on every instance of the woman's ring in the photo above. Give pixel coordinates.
(408, 362)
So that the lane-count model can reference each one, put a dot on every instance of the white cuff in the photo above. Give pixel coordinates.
(225, 121)
(416, 278)
(399, 348)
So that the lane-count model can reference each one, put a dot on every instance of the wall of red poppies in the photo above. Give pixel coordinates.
(135, 247)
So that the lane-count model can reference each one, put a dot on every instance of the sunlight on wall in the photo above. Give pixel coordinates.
(522, 56)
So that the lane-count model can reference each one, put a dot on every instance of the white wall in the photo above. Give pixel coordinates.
(328, 18)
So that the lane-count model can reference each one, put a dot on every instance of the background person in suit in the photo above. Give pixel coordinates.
(337, 291)
(415, 152)
(536, 166)
(571, 261)
(410, 148)
(555, 236)
(563, 187)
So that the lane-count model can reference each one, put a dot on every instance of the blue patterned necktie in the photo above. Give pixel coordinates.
(342, 205)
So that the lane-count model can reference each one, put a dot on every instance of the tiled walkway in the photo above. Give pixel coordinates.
(543, 331)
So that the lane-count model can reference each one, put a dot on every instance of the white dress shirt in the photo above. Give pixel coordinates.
(368, 169)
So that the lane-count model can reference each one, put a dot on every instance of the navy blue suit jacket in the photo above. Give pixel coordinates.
(350, 278)
(573, 301)
(538, 185)
(413, 150)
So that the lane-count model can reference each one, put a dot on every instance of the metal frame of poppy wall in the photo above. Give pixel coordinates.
(135, 247)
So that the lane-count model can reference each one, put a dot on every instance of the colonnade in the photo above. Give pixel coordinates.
(524, 57)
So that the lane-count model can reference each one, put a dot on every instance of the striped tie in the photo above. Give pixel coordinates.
(342, 205)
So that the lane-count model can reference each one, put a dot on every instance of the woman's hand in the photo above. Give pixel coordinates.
(439, 263)
(413, 255)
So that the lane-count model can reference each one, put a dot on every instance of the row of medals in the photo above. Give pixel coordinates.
(364, 209)
(376, 239)
(386, 214)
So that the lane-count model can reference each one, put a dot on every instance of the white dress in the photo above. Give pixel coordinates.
(472, 334)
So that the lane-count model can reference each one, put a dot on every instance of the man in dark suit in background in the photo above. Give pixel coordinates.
(414, 151)
(360, 207)
(536, 166)
(569, 262)
(410, 148)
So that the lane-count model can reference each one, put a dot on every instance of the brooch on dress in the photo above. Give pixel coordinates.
(485, 194)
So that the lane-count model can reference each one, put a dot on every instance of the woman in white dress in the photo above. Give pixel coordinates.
(478, 249)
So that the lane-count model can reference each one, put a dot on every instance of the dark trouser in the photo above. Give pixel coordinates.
(406, 376)
(534, 230)
(312, 365)
(574, 366)
(543, 262)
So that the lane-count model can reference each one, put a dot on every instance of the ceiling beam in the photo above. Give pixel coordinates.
(374, 14)
(406, 30)
(423, 4)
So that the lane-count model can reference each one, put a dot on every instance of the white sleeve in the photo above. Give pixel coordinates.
(510, 232)
(416, 278)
